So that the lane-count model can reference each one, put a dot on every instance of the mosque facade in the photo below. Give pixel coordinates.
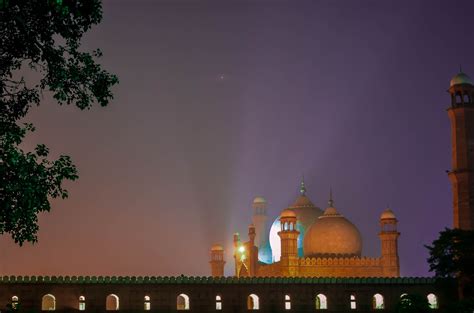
(305, 241)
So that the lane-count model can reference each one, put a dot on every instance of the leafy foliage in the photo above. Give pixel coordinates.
(452, 255)
(42, 37)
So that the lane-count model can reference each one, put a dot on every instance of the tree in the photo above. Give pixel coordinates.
(42, 37)
(452, 255)
(413, 303)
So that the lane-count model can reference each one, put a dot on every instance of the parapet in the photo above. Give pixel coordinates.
(211, 280)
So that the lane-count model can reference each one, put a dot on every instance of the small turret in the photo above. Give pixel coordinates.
(259, 220)
(217, 261)
(252, 234)
(288, 238)
(389, 241)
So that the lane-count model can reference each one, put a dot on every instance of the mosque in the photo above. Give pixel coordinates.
(304, 241)
(309, 260)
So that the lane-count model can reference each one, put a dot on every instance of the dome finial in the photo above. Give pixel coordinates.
(460, 68)
(302, 186)
(331, 201)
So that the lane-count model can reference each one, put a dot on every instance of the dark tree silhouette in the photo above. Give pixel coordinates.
(42, 37)
(452, 255)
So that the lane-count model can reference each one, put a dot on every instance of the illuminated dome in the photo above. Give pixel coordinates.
(259, 200)
(459, 79)
(387, 215)
(217, 247)
(332, 235)
(306, 214)
(287, 213)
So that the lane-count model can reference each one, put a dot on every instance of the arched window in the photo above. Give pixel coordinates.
(14, 302)
(405, 299)
(353, 302)
(377, 302)
(287, 302)
(321, 302)
(218, 303)
(147, 303)
(252, 302)
(48, 303)
(112, 303)
(466, 98)
(82, 303)
(182, 302)
(458, 99)
(432, 300)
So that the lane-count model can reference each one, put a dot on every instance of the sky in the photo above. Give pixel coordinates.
(222, 101)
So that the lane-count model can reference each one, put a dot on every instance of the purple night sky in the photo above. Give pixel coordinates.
(221, 101)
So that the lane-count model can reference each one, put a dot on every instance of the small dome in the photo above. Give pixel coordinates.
(331, 211)
(259, 200)
(459, 79)
(217, 247)
(387, 215)
(288, 213)
(332, 235)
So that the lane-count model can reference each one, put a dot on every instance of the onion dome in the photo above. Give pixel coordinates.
(332, 235)
(460, 79)
(388, 215)
(217, 247)
(259, 200)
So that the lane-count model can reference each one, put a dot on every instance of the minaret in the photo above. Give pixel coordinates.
(289, 247)
(389, 241)
(259, 220)
(461, 115)
(217, 261)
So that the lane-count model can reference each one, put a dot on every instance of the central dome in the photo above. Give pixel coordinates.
(306, 214)
(332, 235)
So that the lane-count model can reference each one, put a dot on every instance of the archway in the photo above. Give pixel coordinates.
(112, 303)
(182, 302)
(321, 302)
(253, 302)
(48, 303)
(377, 302)
(432, 300)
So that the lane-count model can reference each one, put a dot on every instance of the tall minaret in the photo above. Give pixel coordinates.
(289, 247)
(259, 220)
(389, 240)
(461, 115)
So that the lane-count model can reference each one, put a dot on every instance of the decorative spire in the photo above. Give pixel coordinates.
(331, 201)
(302, 187)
